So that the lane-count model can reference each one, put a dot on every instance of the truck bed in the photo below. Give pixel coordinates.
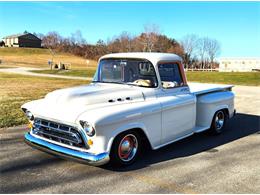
(201, 88)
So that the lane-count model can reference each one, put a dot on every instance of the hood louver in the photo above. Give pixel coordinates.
(119, 99)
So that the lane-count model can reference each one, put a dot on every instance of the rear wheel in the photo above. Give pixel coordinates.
(218, 122)
(125, 148)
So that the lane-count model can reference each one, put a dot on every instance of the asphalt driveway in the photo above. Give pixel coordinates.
(228, 163)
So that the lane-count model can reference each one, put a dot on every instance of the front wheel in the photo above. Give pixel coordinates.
(218, 122)
(125, 148)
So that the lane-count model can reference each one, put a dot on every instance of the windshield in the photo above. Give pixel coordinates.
(126, 71)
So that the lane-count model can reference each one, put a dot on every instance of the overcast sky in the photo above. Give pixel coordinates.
(235, 24)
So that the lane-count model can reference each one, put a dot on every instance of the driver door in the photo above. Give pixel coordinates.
(178, 104)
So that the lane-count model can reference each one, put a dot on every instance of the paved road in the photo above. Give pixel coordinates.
(228, 163)
(26, 71)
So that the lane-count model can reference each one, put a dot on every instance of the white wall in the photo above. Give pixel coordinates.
(239, 64)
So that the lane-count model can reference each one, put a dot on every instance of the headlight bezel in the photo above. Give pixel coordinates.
(28, 114)
(88, 128)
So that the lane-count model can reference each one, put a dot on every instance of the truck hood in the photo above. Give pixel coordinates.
(94, 95)
(68, 104)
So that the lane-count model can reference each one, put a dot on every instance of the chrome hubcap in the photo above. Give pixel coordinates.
(219, 121)
(127, 148)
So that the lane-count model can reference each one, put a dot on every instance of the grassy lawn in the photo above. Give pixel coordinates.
(79, 73)
(15, 90)
(39, 57)
(236, 78)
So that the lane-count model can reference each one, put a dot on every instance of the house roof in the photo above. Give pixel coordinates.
(151, 56)
(14, 36)
(19, 35)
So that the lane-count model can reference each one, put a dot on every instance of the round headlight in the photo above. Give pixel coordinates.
(29, 115)
(90, 131)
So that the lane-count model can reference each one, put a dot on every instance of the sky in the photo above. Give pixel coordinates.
(236, 25)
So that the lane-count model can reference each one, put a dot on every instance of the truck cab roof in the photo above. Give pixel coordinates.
(151, 56)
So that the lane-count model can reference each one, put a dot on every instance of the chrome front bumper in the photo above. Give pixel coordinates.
(84, 157)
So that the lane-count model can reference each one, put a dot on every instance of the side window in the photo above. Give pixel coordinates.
(170, 75)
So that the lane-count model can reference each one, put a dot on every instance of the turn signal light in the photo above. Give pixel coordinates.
(90, 142)
(30, 125)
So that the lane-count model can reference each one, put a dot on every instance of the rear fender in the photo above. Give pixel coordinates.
(209, 104)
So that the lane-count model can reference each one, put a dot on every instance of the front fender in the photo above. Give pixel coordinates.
(124, 128)
(111, 121)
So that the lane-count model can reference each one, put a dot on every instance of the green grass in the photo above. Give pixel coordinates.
(16, 90)
(78, 73)
(236, 78)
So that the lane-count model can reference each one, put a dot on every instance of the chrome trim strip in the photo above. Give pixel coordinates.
(59, 143)
(84, 157)
(62, 138)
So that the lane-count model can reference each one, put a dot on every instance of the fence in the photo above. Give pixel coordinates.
(202, 70)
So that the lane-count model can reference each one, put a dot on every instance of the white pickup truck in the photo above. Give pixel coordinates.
(134, 98)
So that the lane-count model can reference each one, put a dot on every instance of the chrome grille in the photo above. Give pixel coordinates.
(58, 132)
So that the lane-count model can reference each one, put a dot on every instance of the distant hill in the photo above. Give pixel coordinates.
(38, 58)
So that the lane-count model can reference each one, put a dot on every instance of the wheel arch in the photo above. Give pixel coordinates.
(222, 107)
(226, 111)
(139, 129)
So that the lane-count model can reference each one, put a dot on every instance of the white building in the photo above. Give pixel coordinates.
(243, 64)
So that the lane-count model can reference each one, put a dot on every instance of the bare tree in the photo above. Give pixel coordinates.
(101, 48)
(126, 41)
(51, 40)
(202, 45)
(122, 43)
(77, 38)
(149, 37)
(213, 49)
(189, 44)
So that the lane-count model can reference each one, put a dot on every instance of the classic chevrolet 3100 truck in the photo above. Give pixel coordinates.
(134, 98)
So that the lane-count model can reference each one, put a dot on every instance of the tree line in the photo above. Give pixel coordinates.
(200, 52)
(196, 52)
